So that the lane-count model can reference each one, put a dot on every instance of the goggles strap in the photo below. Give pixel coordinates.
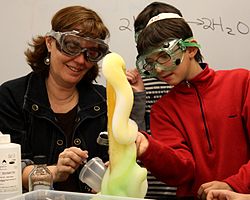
(190, 42)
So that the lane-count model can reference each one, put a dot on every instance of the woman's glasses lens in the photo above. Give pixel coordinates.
(72, 45)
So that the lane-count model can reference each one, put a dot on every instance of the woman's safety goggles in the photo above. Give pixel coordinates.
(71, 44)
(166, 58)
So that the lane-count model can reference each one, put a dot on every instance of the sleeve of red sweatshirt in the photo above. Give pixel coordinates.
(172, 167)
(168, 156)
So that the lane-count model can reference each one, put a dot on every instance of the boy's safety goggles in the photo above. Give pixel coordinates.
(71, 44)
(166, 58)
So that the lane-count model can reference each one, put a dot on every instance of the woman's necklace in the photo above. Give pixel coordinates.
(62, 101)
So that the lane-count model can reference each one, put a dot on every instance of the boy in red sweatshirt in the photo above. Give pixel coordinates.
(200, 129)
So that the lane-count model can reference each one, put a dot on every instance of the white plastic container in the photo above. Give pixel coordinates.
(63, 195)
(10, 168)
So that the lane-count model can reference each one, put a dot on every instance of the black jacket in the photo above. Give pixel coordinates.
(26, 115)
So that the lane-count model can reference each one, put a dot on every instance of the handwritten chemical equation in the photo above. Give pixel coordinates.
(217, 24)
(239, 28)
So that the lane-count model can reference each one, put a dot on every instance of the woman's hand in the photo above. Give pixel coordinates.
(68, 161)
(135, 80)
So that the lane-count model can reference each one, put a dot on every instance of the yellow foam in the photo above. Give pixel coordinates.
(124, 177)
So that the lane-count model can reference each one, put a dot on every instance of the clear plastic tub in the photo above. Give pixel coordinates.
(60, 195)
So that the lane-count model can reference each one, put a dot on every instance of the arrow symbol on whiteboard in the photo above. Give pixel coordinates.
(198, 22)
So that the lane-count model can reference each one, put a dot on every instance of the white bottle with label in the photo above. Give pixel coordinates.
(40, 178)
(10, 168)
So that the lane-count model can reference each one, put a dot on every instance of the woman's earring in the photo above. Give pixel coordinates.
(47, 60)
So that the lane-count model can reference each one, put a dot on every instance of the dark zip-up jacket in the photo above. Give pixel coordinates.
(201, 132)
(26, 115)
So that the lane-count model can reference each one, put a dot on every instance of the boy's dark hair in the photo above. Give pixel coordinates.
(158, 32)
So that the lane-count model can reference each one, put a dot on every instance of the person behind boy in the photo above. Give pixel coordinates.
(155, 89)
(151, 89)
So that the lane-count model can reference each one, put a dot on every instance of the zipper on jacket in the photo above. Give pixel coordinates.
(202, 113)
(188, 84)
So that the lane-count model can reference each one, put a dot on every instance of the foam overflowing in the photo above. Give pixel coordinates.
(124, 177)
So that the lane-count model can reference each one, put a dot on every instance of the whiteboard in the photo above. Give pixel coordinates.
(221, 27)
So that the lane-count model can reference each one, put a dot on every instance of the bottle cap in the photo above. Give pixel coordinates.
(40, 159)
(4, 138)
(103, 139)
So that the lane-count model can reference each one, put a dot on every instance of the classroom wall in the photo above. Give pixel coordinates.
(221, 27)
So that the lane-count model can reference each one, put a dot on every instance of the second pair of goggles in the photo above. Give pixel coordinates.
(168, 56)
(72, 44)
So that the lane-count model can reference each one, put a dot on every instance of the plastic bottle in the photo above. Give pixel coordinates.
(10, 168)
(40, 177)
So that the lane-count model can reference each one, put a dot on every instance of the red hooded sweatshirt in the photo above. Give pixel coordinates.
(201, 132)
